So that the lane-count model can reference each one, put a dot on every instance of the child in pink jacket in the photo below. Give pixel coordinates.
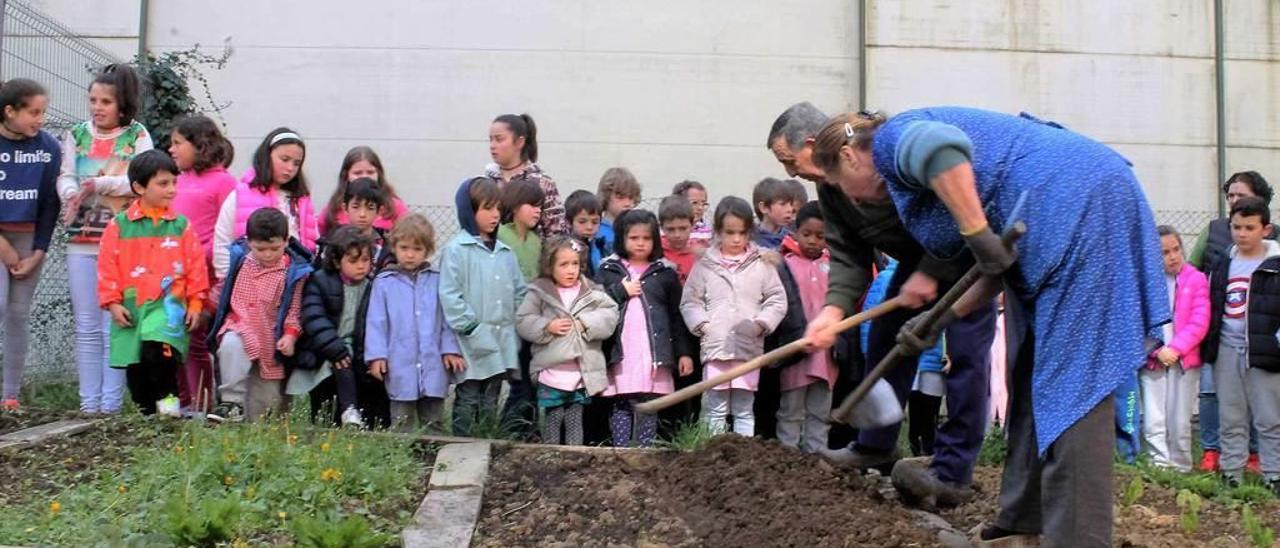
(1170, 381)
(202, 153)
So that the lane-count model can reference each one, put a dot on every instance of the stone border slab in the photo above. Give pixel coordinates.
(38, 434)
(448, 514)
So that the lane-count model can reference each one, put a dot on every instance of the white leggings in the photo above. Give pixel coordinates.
(719, 404)
(101, 386)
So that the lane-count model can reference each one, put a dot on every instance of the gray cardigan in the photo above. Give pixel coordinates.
(595, 316)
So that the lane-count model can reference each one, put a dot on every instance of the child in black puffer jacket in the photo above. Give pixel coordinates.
(334, 302)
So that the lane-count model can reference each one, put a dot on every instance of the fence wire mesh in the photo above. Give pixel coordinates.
(37, 47)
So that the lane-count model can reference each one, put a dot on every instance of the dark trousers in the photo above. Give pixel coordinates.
(768, 399)
(472, 401)
(960, 438)
(969, 347)
(849, 358)
(338, 391)
(520, 412)
(922, 423)
(1065, 495)
(154, 377)
(371, 398)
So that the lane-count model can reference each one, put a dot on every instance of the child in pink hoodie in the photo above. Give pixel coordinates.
(202, 154)
(1170, 381)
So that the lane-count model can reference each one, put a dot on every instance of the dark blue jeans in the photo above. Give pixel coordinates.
(969, 349)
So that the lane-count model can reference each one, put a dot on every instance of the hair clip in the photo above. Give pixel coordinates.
(577, 247)
(869, 114)
(848, 130)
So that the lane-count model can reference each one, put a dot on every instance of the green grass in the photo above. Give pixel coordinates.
(235, 484)
(53, 396)
(994, 448)
(688, 436)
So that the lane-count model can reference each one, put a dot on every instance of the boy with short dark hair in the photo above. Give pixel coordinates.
(1244, 293)
(480, 289)
(362, 203)
(258, 320)
(675, 215)
(773, 201)
(153, 279)
(582, 209)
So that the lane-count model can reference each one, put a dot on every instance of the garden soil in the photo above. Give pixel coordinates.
(749, 492)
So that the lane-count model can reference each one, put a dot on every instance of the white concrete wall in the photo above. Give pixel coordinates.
(670, 89)
(1137, 75)
(674, 90)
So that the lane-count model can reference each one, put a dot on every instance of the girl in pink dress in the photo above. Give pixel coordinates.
(733, 298)
(651, 340)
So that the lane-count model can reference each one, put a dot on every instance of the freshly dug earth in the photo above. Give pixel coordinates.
(742, 492)
(735, 492)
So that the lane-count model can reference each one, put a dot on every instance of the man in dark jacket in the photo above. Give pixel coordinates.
(854, 232)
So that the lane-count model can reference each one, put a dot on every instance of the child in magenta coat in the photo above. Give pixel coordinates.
(1170, 381)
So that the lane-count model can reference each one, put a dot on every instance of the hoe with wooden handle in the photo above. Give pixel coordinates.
(772, 357)
(850, 410)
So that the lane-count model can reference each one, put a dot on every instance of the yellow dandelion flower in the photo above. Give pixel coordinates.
(122, 489)
(177, 449)
(293, 439)
(250, 492)
(228, 480)
(331, 474)
(230, 458)
(324, 447)
(55, 507)
(282, 514)
(239, 543)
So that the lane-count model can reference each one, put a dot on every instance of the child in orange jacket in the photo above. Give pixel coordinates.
(152, 278)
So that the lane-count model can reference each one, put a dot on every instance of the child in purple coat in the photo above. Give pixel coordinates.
(408, 345)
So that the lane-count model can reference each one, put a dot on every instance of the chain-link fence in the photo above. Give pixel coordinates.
(36, 46)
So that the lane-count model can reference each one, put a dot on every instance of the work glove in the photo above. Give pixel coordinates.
(988, 249)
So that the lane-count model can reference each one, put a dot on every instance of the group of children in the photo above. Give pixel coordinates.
(207, 294)
(1226, 324)
(582, 310)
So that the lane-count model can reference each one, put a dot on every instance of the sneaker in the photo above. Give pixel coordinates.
(10, 404)
(351, 417)
(1232, 481)
(1254, 464)
(1210, 461)
(1273, 485)
(851, 457)
(226, 412)
(169, 407)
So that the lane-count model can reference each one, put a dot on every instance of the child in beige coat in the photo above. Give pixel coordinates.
(565, 317)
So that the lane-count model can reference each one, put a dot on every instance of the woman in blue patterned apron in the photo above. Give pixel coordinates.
(1084, 295)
